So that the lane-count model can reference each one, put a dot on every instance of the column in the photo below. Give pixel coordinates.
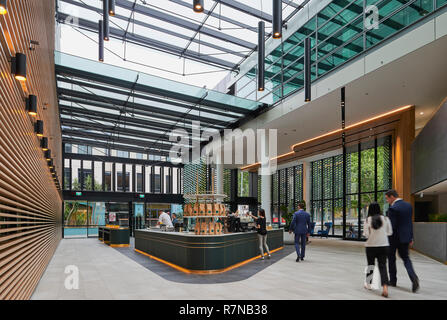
(266, 196)
(219, 178)
(307, 184)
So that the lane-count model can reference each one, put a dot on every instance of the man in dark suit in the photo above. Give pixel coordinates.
(301, 227)
(400, 213)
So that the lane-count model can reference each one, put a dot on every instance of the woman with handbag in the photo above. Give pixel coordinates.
(377, 228)
(261, 226)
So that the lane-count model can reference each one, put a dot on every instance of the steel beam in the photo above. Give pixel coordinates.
(151, 89)
(120, 104)
(152, 98)
(115, 146)
(182, 23)
(117, 139)
(104, 116)
(150, 43)
(217, 16)
(246, 9)
(157, 28)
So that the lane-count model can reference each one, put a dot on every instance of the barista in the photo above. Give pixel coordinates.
(165, 219)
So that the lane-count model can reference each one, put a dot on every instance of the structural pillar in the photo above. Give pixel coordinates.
(307, 184)
(266, 196)
(405, 133)
(219, 178)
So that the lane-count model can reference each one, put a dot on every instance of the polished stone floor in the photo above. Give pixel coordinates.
(333, 269)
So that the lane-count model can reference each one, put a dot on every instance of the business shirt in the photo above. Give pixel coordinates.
(165, 219)
(377, 237)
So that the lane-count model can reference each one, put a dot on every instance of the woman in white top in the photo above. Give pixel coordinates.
(377, 228)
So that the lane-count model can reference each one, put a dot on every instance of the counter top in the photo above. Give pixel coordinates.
(192, 234)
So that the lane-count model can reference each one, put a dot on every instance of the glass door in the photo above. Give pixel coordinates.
(75, 219)
(95, 217)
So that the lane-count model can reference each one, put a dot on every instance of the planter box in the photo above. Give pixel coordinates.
(430, 238)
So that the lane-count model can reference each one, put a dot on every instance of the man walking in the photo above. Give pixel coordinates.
(400, 213)
(301, 227)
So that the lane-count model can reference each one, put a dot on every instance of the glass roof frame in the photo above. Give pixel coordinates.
(114, 105)
(226, 44)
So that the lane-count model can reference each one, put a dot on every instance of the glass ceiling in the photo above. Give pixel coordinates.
(166, 38)
(102, 104)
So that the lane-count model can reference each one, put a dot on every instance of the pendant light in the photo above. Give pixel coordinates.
(307, 70)
(198, 6)
(261, 55)
(3, 6)
(50, 164)
(44, 143)
(277, 19)
(112, 7)
(105, 16)
(101, 40)
(18, 66)
(38, 128)
(31, 105)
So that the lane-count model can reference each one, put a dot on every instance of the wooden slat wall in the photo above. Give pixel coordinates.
(30, 204)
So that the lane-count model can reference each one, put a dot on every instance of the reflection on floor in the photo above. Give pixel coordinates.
(333, 269)
(171, 274)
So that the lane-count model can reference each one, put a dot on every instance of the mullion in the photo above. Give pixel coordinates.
(375, 170)
(359, 193)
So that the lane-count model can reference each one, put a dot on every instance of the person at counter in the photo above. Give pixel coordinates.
(174, 219)
(261, 226)
(165, 219)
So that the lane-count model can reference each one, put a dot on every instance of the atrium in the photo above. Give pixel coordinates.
(223, 149)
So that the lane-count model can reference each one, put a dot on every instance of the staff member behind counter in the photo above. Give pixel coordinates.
(165, 219)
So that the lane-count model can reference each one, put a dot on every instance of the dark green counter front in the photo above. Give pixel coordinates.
(197, 253)
(114, 237)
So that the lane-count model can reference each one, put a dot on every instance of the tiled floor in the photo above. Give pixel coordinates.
(171, 274)
(334, 269)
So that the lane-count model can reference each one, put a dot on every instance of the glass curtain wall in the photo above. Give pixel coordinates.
(368, 177)
(339, 33)
(287, 192)
(82, 218)
(86, 175)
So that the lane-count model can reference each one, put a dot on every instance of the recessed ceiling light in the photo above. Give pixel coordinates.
(421, 113)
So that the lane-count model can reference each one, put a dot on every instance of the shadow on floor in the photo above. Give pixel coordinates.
(241, 273)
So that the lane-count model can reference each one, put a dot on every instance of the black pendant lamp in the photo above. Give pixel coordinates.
(198, 6)
(277, 19)
(3, 6)
(112, 7)
(44, 143)
(101, 41)
(31, 105)
(261, 55)
(50, 164)
(38, 128)
(307, 70)
(18, 66)
(105, 11)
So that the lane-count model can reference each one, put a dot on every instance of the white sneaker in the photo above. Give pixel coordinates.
(262, 258)
(367, 286)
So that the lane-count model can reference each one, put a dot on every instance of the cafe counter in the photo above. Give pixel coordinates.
(193, 253)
